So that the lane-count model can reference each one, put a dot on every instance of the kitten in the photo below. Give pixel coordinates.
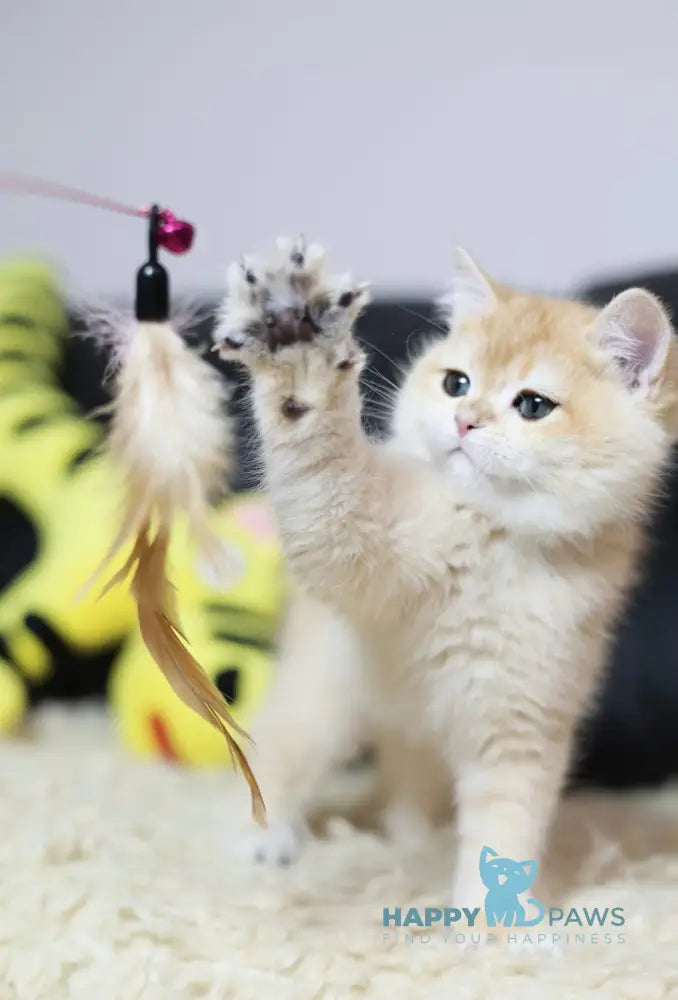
(478, 559)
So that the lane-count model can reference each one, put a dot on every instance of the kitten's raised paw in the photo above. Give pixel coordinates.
(285, 299)
(279, 845)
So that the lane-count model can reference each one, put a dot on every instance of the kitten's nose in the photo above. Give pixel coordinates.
(466, 421)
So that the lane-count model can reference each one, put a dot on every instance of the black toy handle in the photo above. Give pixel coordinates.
(152, 293)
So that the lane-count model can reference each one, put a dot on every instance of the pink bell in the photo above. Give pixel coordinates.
(174, 234)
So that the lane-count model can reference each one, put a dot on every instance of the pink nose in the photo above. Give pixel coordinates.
(466, 421)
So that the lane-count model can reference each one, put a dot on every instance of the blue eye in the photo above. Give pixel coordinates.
(456, 383)
(532, 406)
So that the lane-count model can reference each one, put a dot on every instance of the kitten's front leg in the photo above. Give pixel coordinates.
(312, 721)
(506, 796)
(359, 526)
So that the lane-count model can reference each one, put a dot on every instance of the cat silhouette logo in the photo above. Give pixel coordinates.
(505, 879)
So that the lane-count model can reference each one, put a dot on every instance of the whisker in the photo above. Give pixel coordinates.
(383, 392)
(379, 406)
(384, 378)
(388, 358)
(372, 406)
(426, 319)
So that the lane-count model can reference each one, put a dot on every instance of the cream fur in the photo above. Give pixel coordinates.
(480, 576)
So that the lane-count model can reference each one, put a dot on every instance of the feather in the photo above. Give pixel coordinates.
(169, 432)
(170, 437)
(162, 635)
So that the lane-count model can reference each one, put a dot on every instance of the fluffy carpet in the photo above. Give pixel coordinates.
(119, 879)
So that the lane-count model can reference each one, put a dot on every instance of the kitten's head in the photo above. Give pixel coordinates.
(546, 415)
(497, 872)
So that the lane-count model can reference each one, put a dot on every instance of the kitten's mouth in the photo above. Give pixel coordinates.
(501, 879)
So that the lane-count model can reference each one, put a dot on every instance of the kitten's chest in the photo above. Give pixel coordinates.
(509, 592)
(520, 629)
(489, 608)
(508, 623)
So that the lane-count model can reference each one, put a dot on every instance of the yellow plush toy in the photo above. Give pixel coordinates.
(59, 502)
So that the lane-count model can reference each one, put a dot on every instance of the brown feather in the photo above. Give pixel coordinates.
(162, 635)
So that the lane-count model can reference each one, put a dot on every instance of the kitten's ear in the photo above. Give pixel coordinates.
(636, 331)
(530, 868)
(471, 294)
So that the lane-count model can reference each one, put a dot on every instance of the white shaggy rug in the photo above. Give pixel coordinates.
(118, 880)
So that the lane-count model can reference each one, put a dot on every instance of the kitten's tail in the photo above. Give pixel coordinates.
(540, 914)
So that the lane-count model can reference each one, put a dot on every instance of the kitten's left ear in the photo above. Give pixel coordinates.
(636, 331)
(470, 295)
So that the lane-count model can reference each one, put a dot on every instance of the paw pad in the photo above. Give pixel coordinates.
(293, 409)
(283, 299)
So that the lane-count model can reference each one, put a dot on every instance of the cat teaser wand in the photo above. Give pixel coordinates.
(170, 438)
(169, 435)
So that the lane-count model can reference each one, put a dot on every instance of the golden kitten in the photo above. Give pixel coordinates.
(475, 562)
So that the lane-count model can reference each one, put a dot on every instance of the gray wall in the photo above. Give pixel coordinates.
(542, 136)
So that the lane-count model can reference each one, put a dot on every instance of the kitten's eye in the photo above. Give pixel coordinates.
(532, 406)
(456, 383)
